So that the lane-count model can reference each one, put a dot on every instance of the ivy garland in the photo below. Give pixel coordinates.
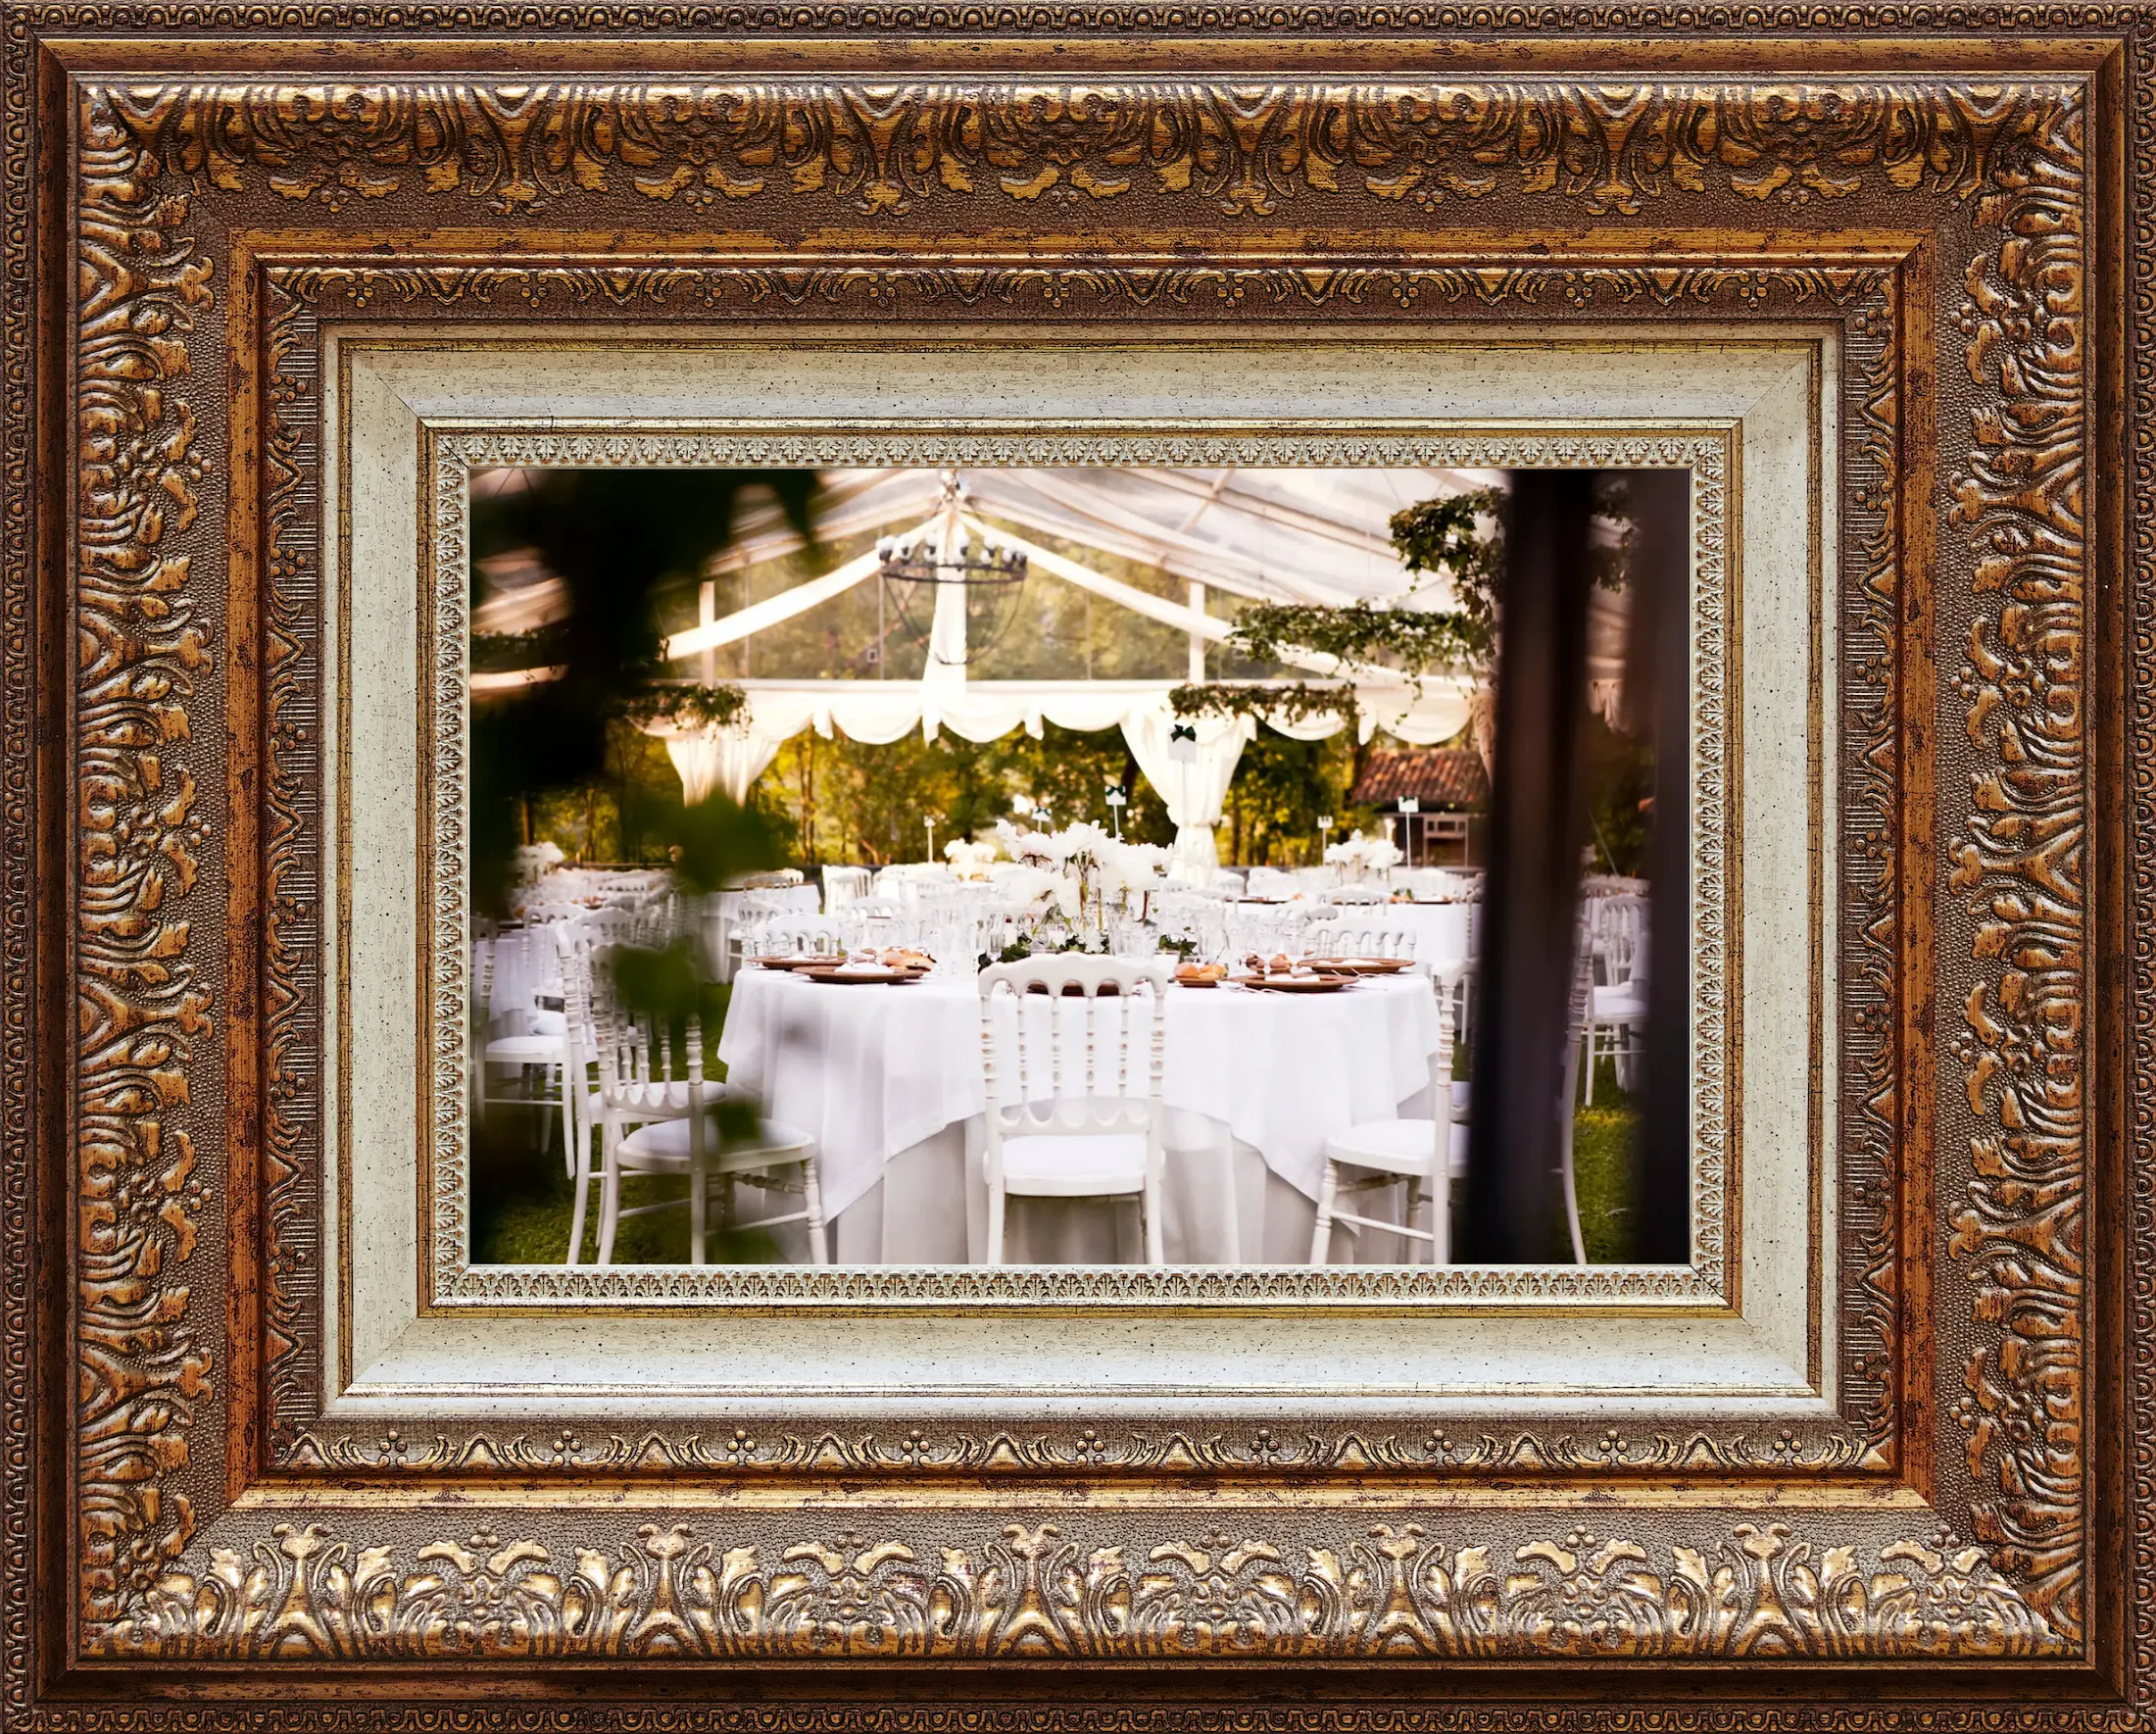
(1436, 535)
(690, 707)
(1443, 536)
(1294, 702)
(686, 707)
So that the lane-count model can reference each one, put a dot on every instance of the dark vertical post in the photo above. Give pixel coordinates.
(1536, 834)
(1658, 696)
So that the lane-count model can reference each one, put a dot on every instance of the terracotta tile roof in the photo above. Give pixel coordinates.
(1436, 776)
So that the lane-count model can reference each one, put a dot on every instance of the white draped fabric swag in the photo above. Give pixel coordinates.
(876, 712)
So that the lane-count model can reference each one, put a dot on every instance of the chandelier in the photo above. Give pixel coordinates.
(927, 557)
(958, 557)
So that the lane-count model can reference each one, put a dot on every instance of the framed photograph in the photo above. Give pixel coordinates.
(1081, 865)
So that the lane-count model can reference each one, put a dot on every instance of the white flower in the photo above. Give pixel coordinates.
(1031, 887)
(1023, 844)
(969, 858)
(1132, 867)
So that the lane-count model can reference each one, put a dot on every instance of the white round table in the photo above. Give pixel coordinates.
(889, 1082)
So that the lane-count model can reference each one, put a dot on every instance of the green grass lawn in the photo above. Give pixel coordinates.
(522, 1199)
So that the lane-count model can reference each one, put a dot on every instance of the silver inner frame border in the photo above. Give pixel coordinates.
(452, 453)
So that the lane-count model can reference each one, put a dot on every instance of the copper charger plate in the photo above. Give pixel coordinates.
(1361, 966)
(1295, 983)
(886, 977)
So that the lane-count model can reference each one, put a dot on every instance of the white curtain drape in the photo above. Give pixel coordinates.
(721, 759)
(1195, 788)
(877, 714)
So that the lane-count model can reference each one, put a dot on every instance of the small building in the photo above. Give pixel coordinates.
(1450, 792)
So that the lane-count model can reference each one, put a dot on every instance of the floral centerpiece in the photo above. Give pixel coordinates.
(970, 859)
(1079, 871)
(1360, 855)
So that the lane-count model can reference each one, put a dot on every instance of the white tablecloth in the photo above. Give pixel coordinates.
(888, 1082)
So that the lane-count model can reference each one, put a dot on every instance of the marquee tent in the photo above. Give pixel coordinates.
(1303, 535)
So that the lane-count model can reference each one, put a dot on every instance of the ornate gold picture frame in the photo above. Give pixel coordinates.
(203, 1523)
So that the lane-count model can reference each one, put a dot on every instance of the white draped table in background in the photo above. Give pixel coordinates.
(888, 1082)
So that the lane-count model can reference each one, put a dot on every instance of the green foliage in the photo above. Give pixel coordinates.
(691, 707)
(1443, 536)
(1617, 774)
(1412, 641)
(851, 801)
(1298, 701)
(1281, 787)
(621, 542)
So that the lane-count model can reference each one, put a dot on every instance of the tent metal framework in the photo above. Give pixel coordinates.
(1304, 536)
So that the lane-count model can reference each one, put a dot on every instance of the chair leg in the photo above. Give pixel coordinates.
(1321, 1237)
(700, 1187)
(1150, 1214)
(581, 1180)
(568, 1155)
(610, 1196)
(811, 1197)
(1590, 1032)
(995, 1222)
(1572, 1202)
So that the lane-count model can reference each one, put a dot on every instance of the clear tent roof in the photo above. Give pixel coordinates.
(1299, 535)
(1285, 535)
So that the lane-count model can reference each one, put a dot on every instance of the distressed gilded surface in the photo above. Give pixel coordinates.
(151, 157)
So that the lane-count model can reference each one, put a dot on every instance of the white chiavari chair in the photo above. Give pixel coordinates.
(653, 1122)
(1074, 1125)
(842, 885)
(1357, 934)
(1421, 1156)
(535, 1053)
(1578, 1007)
(793, 937)
(1617, 1014)
(1357, 894)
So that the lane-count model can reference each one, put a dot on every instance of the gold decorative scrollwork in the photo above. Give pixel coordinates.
(1242, 150)
(2014, 149)
(1392, 1591)
(2022, 869)
(143, 1010)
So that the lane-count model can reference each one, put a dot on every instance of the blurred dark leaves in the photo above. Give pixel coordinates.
(623, 543)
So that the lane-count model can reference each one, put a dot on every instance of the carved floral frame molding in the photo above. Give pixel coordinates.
(148, 1083)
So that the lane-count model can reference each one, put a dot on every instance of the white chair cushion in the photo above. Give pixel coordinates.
(526, 1050)
(545, 1022)
(665, 1143)
(1074, 1165)
(1395, 1146)
(1621, 1004)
